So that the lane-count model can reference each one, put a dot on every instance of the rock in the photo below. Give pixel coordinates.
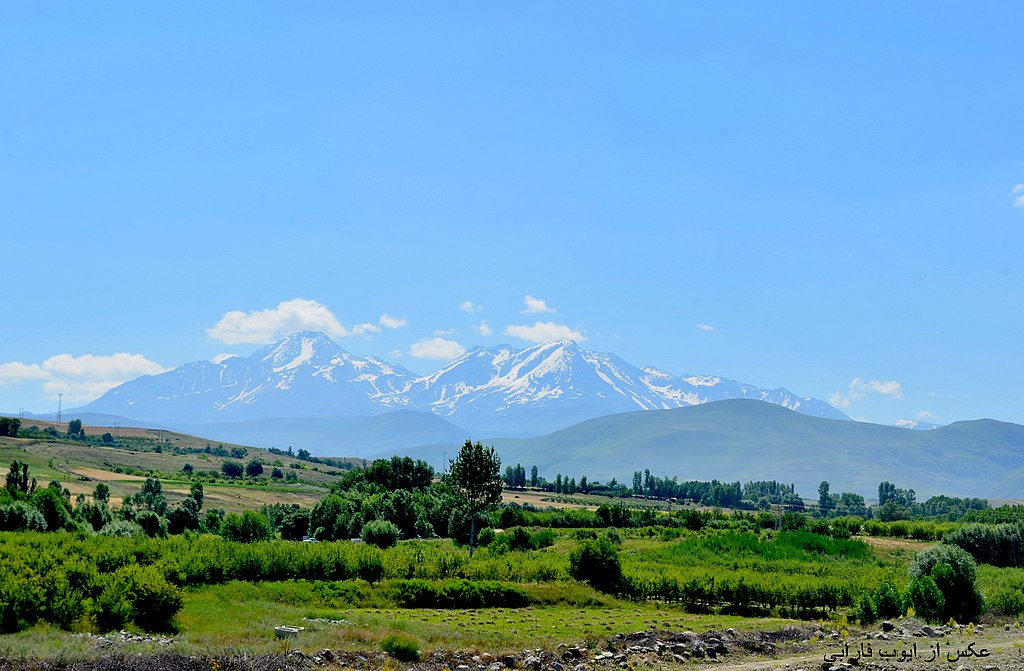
(486, 658)
(509, 661)
(496, 666)
(327, 655)
(887, 625)
(532, 662)
(928, 631)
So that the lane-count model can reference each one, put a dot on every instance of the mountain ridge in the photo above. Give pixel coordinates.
(497, 390)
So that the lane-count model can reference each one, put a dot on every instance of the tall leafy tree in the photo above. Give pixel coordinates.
(475, 478)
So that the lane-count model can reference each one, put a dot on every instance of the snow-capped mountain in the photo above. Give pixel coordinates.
(496, 391)
(546, 387)
(305, 375)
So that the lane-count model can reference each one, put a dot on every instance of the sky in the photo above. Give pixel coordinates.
(826, 197)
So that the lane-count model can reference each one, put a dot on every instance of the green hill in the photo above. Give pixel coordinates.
(750, 440)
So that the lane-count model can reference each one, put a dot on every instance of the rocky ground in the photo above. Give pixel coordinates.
(903, 645)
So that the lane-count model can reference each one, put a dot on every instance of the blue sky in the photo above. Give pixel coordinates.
(820, 196)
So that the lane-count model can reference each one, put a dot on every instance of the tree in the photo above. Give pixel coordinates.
(75, 429)
(17, 480)
(955, 573)
(824, 500)
(101, 494)
(534, 477)
(9, 426)
(475, 478)
(232, 469)
(249, 527)
(254, 468)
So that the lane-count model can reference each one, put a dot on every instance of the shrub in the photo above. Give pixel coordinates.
(597, 562)
(999, 545)
(153, 601)
(249, 527)
(152, 524)
(402, 647)
(866, 612)
(370, 568)
(888, 601)
(955, 575)
(485, 537)
(20, 516)
(924, 597)
(381, 533)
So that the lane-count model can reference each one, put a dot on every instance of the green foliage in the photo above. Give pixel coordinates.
(249, 527)
(232, 469)
(888, 600)
(56, 510)
(254, 468)
(955, 573)
(9, 426)
(924, 596)
(475, 479)
(20, 516)
(458, 594)
(998, 545)
(152, 601)
(866, 611)
(402, 647)
(597, 562)
(381, 533)
(18, 483)
(295, 526)
(152, 524)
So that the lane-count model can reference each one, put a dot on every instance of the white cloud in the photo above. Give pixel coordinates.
(221, 358)
(363, 329)
(389, 322)
(262, 327)
(704, 327)
(80, 378)
(470, 307)
(436, 348)
(859, 388)
(444, 332)
(535, 306)
(16, 371)
(925, 415)
(542, 332)
(483, 329)
(1018, 195)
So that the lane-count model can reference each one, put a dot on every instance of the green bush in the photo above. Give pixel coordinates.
(955, 574)
(924, 596)
(249, 527)
(381, 533)
(597, 562)
(402, 647)
(888, 600)
(995, 544)
(866, 611)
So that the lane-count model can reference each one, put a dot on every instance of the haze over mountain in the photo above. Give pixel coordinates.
(496, 391)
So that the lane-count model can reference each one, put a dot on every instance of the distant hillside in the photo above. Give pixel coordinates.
(751, 440)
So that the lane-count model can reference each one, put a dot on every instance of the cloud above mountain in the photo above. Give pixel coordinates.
(535, 306)
(542, 332)
(859, 388)
(262, 327)
(437, 348)
(80, 378)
